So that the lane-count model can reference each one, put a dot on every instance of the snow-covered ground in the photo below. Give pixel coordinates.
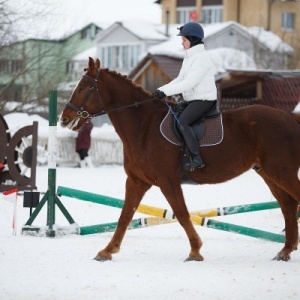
(150, 264)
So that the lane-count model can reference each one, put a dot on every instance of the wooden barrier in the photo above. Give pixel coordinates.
(198, 217)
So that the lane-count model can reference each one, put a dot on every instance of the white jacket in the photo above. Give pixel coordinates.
(196, 78)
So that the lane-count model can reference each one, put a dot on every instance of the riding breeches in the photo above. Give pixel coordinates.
(193, 112)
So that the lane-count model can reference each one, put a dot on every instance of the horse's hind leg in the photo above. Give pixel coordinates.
(135, 190)
(288, 206)
(175, 197)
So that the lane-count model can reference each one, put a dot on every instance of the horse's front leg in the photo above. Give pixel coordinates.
(174, 195)
(135, 190)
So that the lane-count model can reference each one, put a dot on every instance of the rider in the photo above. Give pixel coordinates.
(196, 83)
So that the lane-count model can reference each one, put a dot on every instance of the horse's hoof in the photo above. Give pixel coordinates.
(101, 258)
(279, 257)
(194, 258)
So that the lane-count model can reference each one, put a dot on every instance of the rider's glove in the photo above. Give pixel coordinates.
(159, 94)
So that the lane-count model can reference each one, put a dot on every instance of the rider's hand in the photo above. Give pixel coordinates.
(159, 94)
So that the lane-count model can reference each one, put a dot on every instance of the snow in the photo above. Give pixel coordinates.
(268, 38)
(297, 107)
(150, 264)
(142, 29)
(92, 52)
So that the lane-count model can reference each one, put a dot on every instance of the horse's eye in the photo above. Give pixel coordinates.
(80, 89)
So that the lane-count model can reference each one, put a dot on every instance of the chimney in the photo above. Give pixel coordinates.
(167, 21)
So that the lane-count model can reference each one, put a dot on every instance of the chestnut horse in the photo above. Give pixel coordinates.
(257, 136)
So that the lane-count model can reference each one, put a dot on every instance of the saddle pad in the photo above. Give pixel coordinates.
(213, 135)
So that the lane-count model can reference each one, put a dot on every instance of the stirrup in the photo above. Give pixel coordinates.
(192, 165)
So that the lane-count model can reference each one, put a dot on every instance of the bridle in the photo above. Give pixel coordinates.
(84, 114)
(81, 112)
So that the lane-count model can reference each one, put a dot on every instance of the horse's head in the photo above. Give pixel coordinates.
(85, 101)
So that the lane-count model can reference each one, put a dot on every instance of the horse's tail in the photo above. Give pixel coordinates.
(296, 116)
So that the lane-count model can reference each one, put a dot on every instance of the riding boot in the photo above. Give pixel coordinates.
(197, 161)
(193, 145)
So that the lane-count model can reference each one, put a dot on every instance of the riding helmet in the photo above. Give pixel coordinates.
(191, 29)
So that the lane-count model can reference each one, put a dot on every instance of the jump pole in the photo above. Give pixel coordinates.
(196, 217)
(50, 196)
(134, 224)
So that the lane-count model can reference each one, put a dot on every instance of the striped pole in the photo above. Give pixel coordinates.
(50, 196)
(52, 148)
(197, 218)
(136, 223)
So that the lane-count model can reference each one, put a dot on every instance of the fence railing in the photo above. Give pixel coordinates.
(102, 151)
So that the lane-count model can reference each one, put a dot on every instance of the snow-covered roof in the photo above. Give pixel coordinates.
(228, 58)
(92, 52)
(267, 38)
(142, 29)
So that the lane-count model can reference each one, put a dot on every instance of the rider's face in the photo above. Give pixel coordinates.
(185, 43)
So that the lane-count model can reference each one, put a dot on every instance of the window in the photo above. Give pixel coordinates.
(86, 33)
(212, 14)
(3, 67)
(122, 58)
(183, 14)
(69, 67)
(16, 66)
(287, 21)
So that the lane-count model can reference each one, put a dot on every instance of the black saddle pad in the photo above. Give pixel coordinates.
(213, 135)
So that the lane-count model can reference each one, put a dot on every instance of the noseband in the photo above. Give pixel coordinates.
(82, 113)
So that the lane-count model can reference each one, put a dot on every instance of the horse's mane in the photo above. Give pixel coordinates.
(128, 80)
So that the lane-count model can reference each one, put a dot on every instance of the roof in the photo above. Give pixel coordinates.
(259, 73)
(141, 29)
(268, 39)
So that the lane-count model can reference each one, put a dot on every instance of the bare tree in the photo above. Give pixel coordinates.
(27, 63)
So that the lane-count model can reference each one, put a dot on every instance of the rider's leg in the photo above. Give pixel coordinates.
(195, 110)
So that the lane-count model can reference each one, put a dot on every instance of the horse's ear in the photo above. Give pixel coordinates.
(91, 63)
(97, 63)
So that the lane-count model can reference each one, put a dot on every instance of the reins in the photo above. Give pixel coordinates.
(135, 104)
(82, 113)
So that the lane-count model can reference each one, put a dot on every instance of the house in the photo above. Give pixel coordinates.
(120, 46)
(282, 17)
(31, 67)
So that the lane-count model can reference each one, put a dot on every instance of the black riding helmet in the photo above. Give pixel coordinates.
(193, 32)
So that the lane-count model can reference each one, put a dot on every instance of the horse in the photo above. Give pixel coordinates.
(259, 137)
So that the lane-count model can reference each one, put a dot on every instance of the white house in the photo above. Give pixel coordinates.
(120, 46)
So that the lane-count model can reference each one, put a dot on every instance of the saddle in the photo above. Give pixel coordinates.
(208, 129)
